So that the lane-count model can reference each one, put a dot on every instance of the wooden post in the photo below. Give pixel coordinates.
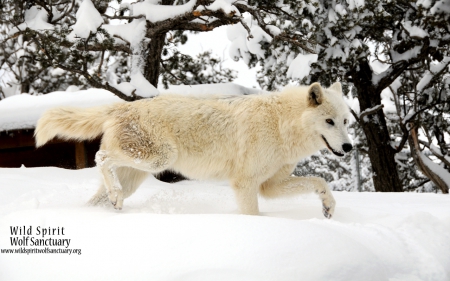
(80, 155)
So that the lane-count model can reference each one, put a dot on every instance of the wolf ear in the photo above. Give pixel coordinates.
(336, 87)
(315, 94)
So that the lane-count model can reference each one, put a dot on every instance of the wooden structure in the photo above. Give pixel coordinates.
(17, 147)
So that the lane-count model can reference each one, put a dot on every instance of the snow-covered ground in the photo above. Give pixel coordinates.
(191, 231)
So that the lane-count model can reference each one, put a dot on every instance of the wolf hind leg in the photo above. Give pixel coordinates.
(124, 170)
(130, 179)
(100, 197)
(282, 184)
(108, 168)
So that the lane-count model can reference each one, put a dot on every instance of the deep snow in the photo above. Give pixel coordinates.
(191, 231)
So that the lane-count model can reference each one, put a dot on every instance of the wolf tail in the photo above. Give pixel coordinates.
(71, 123)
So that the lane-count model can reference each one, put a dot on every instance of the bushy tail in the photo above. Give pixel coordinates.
(71, 123)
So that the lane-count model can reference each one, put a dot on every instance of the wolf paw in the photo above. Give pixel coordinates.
(116, 199)
(328, 207)
(98, 200)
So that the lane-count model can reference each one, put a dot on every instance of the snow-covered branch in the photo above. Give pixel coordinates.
(370, 111)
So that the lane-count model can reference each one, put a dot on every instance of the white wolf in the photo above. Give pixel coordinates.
(252, 141)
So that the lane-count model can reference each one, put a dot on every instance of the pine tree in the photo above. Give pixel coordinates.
(344, 40)
(105, 45)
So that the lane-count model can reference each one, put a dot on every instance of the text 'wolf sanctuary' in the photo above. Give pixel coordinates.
(44, 240)
(21, 236)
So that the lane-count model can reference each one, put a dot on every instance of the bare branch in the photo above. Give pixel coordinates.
(370, 111)
(355, 115)
(282, 37)
(66, 13)
(101, 63)
(116, 17)
(173, 75)
(247, 28)
(435, 153)
(406, 120)
(98, 84)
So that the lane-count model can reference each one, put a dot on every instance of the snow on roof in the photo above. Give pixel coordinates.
(23, 111)
(211, 89)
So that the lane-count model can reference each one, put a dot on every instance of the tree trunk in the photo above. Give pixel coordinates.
(382, 155)
(151, 73)
(153, 58)
(413, 141)
(25, 87)
(153, 54)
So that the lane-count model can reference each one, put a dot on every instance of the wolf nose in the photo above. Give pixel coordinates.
(347, 147)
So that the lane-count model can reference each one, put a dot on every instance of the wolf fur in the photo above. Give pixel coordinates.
(253, 141)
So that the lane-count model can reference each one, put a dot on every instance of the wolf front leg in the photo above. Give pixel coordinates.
(246, 192)
(108, 168)
(299, 185)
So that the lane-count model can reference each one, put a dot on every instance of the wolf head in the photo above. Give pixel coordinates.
(329, 116)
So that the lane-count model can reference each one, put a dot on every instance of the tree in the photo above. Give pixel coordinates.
(422, 101)
(343, 38)
(47, 46)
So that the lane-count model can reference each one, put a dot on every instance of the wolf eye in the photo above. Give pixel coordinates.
(345, 121)
(329, 121)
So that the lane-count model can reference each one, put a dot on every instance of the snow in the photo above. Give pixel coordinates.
(355, 4)
(441, 6)
(139, 85)
(36, 19)
(132, 33)
(218, 42)
(364, 112)
(225, 5)
(424, 3)
(238, 36)
(424, 81)
(191, 231)
(429, 74)
(332, 17)
(335, 52)
(274, 30)
(340, 9)
(396, 57)
(242, 44)
(414, 31)
(88, 20)
(23, 111)
(211, 89)
(301, 65)
(155, 13)
(254, 43)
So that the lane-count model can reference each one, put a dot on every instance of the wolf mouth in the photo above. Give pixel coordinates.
(332, 150)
